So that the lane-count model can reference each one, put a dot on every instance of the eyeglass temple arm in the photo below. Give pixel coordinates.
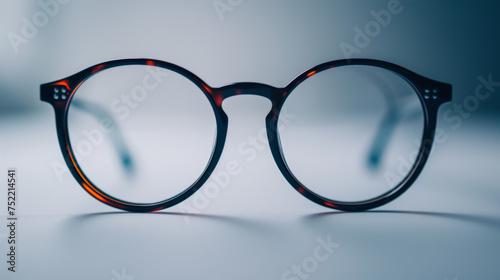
(386, 129)
(116, 136)
(397, 108)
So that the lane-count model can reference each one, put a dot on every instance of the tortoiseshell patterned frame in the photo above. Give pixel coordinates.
(431, 94)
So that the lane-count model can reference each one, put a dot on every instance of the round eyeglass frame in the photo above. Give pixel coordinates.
(431, 94)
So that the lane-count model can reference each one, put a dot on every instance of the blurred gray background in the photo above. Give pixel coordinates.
(445, 227)
(264, 41)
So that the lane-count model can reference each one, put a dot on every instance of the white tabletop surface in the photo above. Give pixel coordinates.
(445, 227)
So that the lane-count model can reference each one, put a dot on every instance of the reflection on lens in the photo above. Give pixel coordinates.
(356, 133)
(142, 134)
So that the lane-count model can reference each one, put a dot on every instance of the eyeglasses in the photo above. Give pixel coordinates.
(142, 135)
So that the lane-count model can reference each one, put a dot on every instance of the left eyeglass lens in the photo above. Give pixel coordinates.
(141, 134)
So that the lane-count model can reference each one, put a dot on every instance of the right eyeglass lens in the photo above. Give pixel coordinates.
(141, 134)
(355, 134)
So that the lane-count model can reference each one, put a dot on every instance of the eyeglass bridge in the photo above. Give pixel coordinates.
(249, 88)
